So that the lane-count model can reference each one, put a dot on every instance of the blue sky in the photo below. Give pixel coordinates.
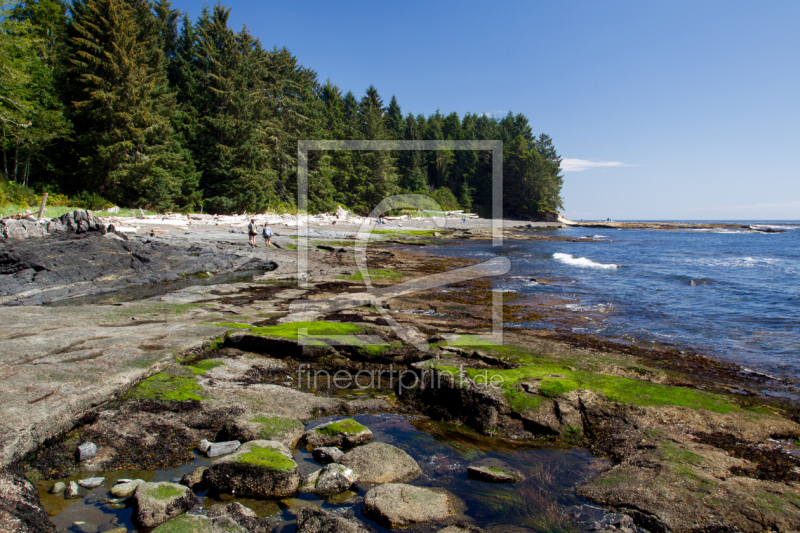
(663, 110)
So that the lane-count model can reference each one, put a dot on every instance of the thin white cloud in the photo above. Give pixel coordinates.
(579, 165)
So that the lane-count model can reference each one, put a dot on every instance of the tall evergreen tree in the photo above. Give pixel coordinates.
(123, 108)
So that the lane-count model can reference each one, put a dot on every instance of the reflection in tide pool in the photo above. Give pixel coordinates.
(544, 501)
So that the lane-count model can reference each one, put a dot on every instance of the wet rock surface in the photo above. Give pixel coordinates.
(62, 266)
(20, 507)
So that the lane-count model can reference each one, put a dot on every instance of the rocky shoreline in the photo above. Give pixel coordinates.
(684, 443)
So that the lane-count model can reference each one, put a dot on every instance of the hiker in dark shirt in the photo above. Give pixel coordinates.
(251, 229)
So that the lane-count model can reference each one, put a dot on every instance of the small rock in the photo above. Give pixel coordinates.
(87, 450)
(379, 462)
(312, 520)
(125, 490)
(330, 480)
(58, 487)
(327, 454)
(154, 503)
(228, 517)
(91, 482)
(341, 433)
(194, 479)
(399, 505)
(203, 446)
(492, 475)
(215, 449)
(72, 492)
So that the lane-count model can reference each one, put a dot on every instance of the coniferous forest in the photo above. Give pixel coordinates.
(132, 103)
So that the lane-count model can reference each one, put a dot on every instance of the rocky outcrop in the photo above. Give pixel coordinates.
(379, 462)
(345, 433)
(259, 469)
(154, 503)
(265, 426)
(20, 508)
(66, 265)
(226, 517)
(313, 520)
(399, 505)
(330, 480)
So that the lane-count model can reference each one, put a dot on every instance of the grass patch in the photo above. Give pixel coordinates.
(264, 457)
(348, 425)
(163, 492)
(291, 330)
(166, 387)
(375, 274)
(203, 366)
(555, 379)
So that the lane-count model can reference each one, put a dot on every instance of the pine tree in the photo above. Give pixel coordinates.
(123, 109)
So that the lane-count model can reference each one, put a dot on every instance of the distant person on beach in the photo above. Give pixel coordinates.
(267, 234)
(463, 221)
(251, 229)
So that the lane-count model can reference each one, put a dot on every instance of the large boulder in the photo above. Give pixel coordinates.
(259, 469)
(265, 426)
(20, 507)
(313, 520)
(154, 503)
(344, 433)
(399, 505)
(330, 480)
(379, 462)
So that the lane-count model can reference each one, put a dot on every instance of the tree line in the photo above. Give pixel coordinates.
(132, 101)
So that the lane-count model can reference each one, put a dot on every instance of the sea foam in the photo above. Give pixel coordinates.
(581, 261)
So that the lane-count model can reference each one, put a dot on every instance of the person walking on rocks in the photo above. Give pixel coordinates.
(267, 234)
(251, 229)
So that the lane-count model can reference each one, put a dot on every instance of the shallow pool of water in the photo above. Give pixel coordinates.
(544, 501)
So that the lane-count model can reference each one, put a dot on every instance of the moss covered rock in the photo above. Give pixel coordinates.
(154, 503)
(259, 469)
(345, 433)
(265, 426)
(186, 524)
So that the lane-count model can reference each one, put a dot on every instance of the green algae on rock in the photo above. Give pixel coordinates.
(341, 433)
(259, 469)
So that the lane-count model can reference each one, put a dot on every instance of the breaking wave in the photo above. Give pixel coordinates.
(581, 261)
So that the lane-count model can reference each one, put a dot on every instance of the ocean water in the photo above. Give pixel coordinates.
(725, 293)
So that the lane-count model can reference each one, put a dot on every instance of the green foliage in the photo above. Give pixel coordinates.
(163, 386)
(136, 103)
(91, 200)
(164, 492)
(264, 457)
(348, 425)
